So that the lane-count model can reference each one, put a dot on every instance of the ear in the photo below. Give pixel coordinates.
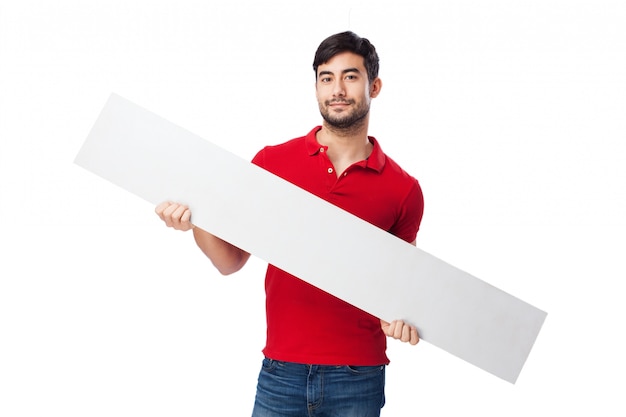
(375, 87)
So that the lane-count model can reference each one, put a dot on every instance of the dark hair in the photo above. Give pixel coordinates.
(347, 42)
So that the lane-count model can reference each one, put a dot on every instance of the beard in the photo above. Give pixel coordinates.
(346, 119)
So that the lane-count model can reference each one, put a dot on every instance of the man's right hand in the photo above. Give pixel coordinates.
(226, 257)
(175, 215)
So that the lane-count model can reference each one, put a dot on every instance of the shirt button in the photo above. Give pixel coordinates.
(330, 170)
(321, 149)
(345, 173)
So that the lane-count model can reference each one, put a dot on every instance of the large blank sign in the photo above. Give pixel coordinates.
(339, 253)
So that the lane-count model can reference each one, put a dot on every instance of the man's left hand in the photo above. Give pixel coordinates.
(401, 331)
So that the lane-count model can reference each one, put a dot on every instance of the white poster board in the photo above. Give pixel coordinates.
(270, 218)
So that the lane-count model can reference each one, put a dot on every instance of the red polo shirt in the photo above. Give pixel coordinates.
(308, 325)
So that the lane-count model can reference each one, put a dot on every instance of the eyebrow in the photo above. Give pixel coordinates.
(347, 70)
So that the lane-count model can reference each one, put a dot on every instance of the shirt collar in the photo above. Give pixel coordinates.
(375, 161)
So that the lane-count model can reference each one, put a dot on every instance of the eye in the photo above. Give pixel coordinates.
(351, 77)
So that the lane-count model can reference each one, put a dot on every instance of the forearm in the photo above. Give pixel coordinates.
(225, 257)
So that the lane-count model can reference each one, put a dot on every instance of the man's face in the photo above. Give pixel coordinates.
(343, 90)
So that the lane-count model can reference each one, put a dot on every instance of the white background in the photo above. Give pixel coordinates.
(510, 113)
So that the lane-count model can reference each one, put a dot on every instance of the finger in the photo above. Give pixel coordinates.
(159, 209)
(397, 331)
(171, 208)
(167, 214)
(406, 333)
(385, 326)
(177, 215)
(415, 338)
(186, 218)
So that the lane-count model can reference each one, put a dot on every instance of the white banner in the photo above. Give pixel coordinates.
(270, 218)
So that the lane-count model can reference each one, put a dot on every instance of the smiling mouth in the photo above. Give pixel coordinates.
(338, 103)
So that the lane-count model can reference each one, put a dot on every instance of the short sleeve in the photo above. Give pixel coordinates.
(410, 214)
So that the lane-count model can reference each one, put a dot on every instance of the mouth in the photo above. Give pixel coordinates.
(338, 103)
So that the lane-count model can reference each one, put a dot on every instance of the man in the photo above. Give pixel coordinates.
(324, 357)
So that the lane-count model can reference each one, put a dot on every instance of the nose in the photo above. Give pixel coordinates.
(339, 88)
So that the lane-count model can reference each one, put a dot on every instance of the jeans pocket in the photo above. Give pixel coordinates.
(364, 370)
(269, 364)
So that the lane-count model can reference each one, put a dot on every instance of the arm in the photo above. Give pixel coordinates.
(225, 257)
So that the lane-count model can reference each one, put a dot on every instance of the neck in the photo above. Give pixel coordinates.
(357, 129)
(349, 143)
(353, 136)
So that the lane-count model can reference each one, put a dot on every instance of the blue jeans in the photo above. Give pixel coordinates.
(297, 390)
